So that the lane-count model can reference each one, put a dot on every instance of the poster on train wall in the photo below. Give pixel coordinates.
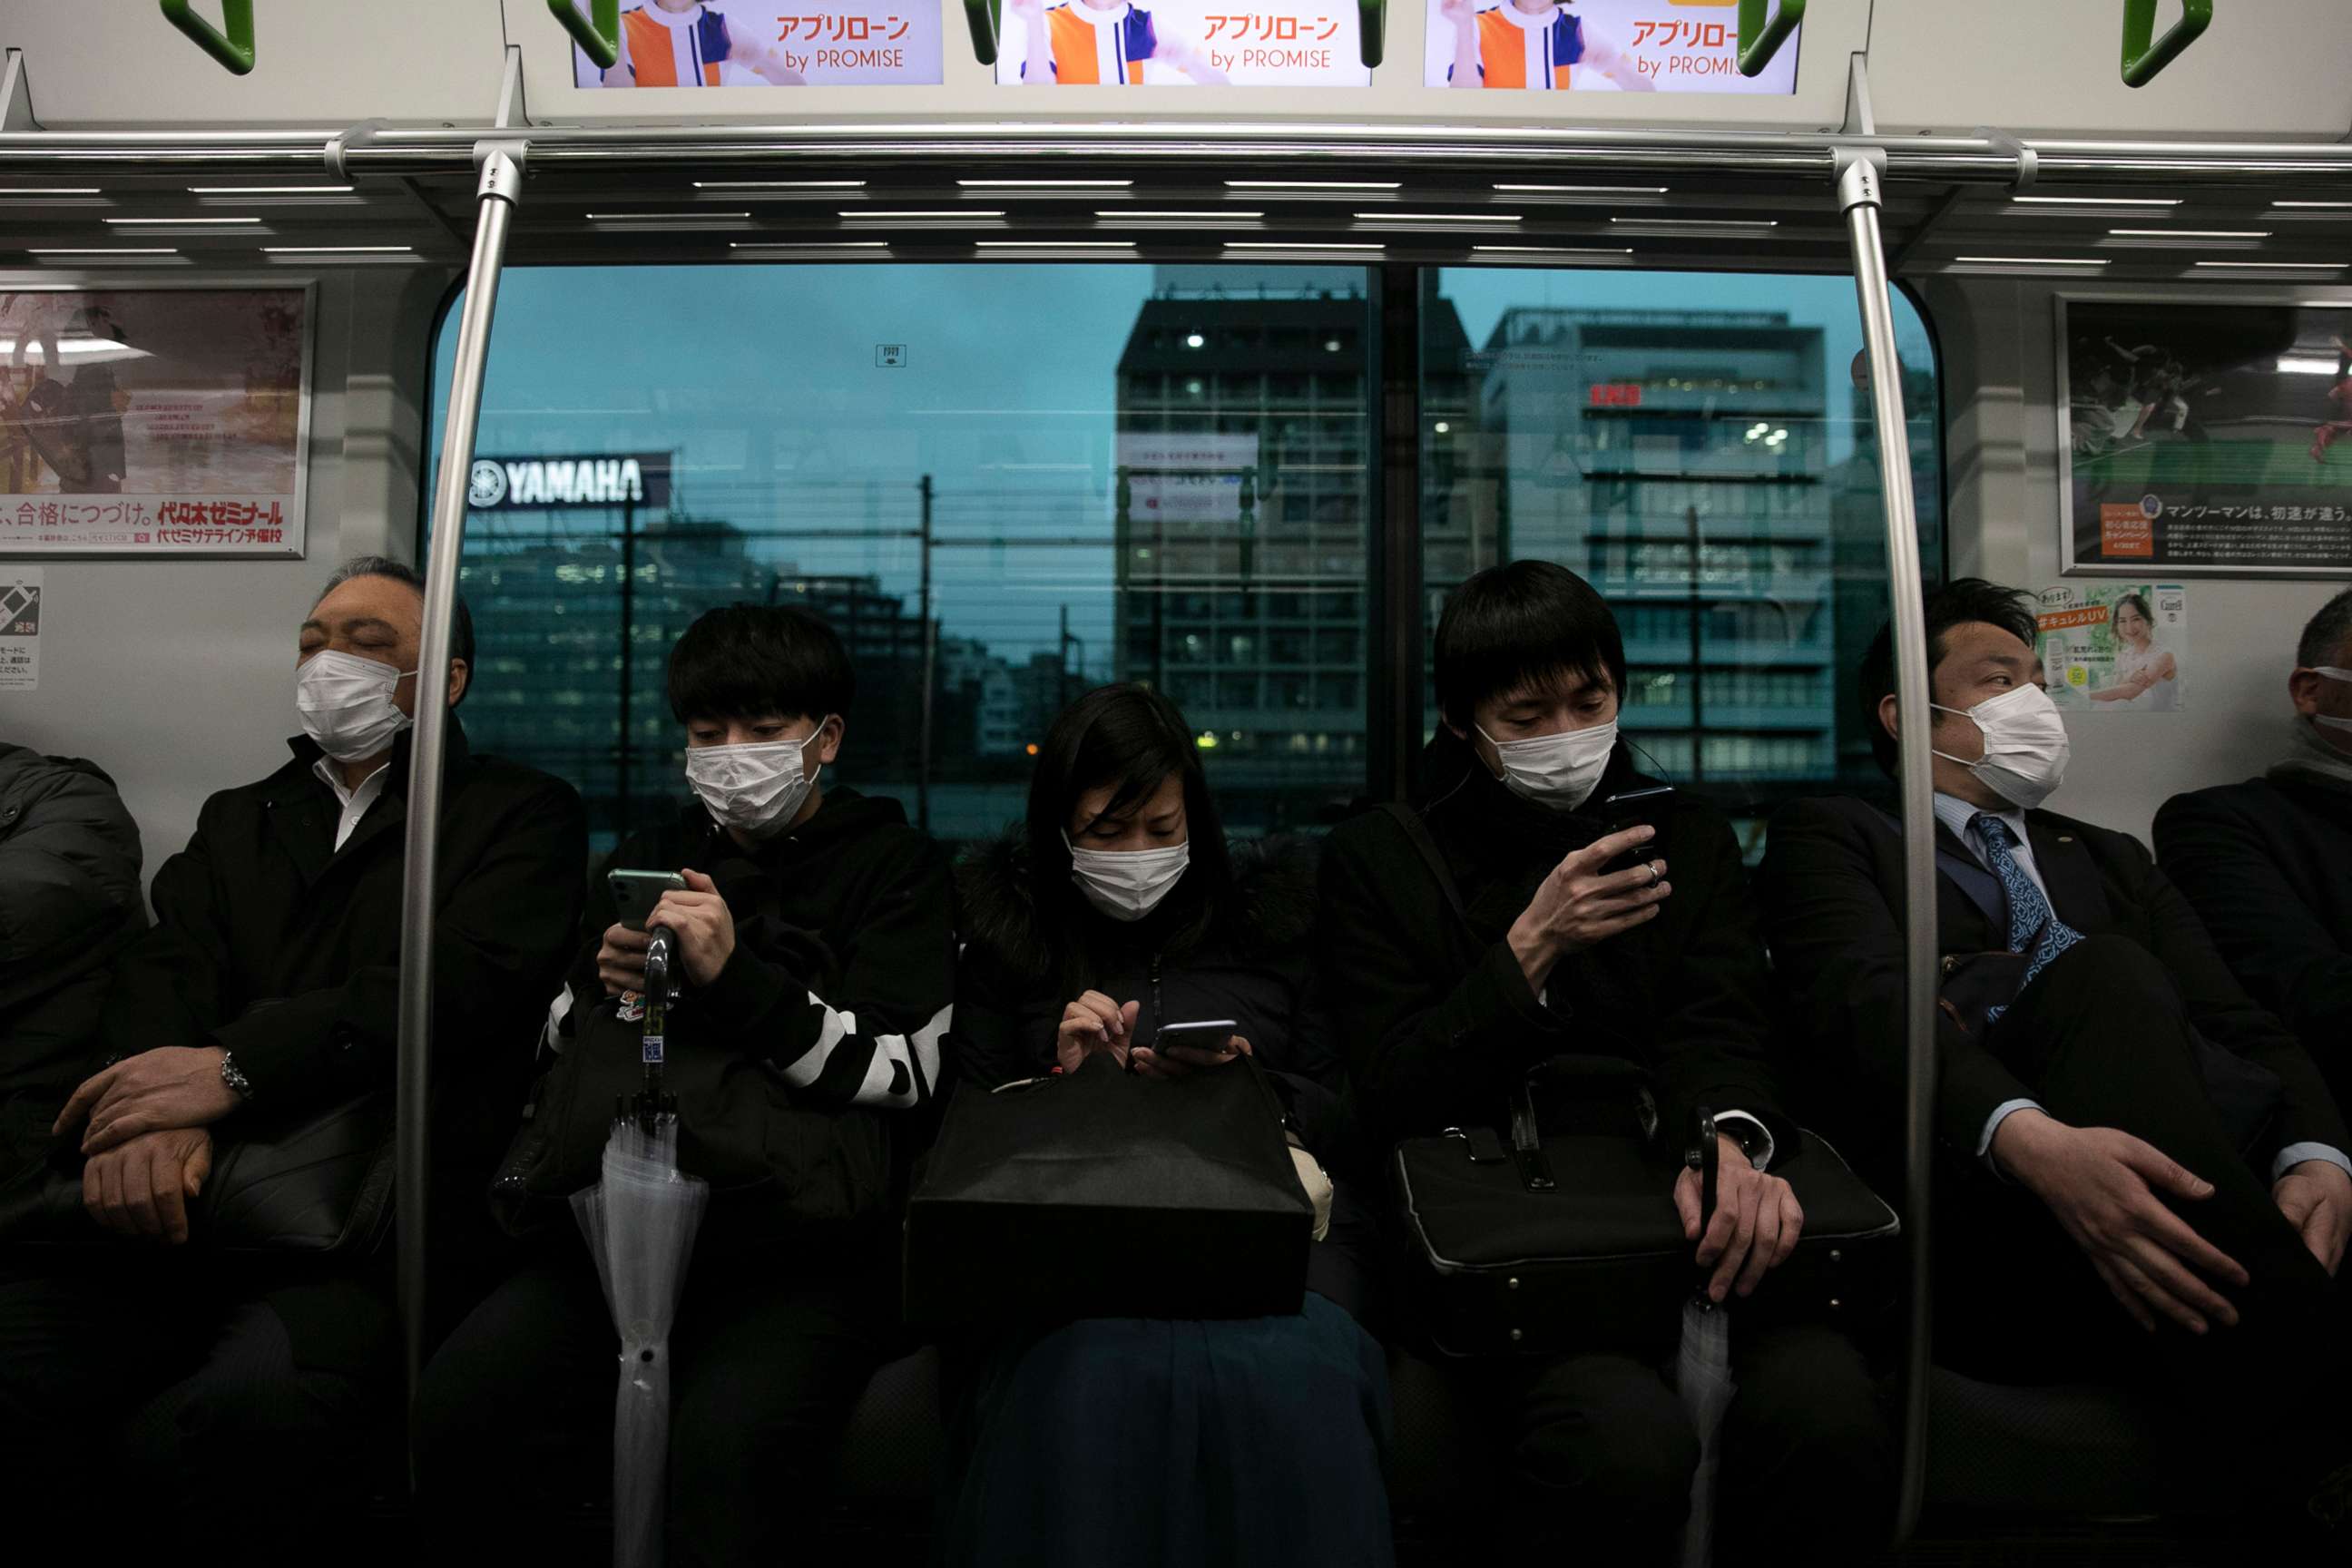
(153, 421)
(2200, 438)
(1598, 46)
(771, 43)
(2115, 648)
(1181, 43)
(20, 628)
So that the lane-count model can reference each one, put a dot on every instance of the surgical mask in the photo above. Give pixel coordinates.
(2332, 673)
(1127, 884)
(2025, 745)
(1558, 771)
(346, 704)
(756, 788)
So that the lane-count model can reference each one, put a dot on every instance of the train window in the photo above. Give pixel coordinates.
(1096, 472)
(1700, 447)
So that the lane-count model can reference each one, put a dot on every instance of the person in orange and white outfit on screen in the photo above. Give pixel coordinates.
(685, 43)
(1532, 43)
(1080, 43)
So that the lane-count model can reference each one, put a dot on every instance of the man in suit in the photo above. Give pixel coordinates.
(2117, 1124)
(2268, 863)
(194, 1394)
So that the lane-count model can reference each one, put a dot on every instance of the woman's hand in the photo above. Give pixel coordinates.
(1176, 1061)
(1093, 1023)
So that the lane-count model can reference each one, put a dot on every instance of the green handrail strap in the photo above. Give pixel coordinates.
(1758, 42)
(985, 22)
(236, 49)
(2143, 59)
(598, 34)
(1372, 31)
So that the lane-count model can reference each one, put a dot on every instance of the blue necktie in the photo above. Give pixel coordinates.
(2033, 926)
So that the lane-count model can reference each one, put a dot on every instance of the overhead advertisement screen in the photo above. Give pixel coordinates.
(1598, 46)
(771, 43)
(1180, 43)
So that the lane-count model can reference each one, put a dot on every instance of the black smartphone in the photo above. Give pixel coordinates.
(1207, 1034)
(1631, 808)
(634, 893)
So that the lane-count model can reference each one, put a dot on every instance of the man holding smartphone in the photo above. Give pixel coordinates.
(816, 952)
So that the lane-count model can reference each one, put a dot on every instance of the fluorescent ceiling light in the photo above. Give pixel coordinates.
(101, 250)
(268, 189)
(1055, 244)
(2283, 266)
(1561, 249)
(2035, 261)
(1442, 218)
(779, 185)
(1701, 222)
(174, 222)
(947, 212)
(2195, 233)
(2327, 204)
(86, 350)
(1595, 190)
(336, 250)
(808, 245)
(1314, 184)
(657, 217)
(1295, 245)
(2099, 201)
(2301, 364)
(49, 190)
(1205, 215)
(1043, 184)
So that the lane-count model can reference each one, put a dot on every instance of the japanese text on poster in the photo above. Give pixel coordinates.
(2207, 438)
(2115, 648)
(1177, 42)
(771, 43)
(153, 421)
(1186, 477)
(20, 628)
(1596, 46)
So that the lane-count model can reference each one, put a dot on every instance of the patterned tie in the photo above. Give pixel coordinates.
(2031, 921)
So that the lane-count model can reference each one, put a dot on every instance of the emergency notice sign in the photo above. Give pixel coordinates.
(1596, 46)
(153, 421)
(20, 628)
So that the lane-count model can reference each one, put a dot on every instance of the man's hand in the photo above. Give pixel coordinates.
(1178, 1061)
(2316, 1198)
(141, 1188)
(706, 931)
(2102, 1184)
(1756, 1225)
(621, 961)
(172, 1086)
(1576, 905)
(1094, 1023)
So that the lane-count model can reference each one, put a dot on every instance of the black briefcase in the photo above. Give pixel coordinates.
(1543, 1244)
(1104, 1194)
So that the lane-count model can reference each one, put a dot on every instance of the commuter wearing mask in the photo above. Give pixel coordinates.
(2267, 863)
(1561, 953)
(267, 992)
(2118, 1125)
(1119, 907)
(816, 932)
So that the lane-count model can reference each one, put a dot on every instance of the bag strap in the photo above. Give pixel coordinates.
(1432, 857)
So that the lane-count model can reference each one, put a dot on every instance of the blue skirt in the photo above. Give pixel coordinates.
(1146, 1443)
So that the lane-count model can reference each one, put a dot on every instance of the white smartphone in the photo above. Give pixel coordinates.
(1206, 1033)
(634, 893)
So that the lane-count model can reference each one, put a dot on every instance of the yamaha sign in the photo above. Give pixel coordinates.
(639, 479)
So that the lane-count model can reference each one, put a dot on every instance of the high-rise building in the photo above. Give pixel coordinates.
(1858, 546)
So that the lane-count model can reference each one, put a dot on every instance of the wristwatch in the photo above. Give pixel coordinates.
(233, 1076)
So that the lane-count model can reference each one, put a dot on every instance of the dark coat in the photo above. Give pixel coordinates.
(68, 897)
(1833, 888)
(1436, 1015)
(2267, 865)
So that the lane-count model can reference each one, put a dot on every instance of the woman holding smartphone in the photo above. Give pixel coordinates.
(1116, 914)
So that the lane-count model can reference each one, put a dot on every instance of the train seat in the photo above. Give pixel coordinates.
(2069, 1451)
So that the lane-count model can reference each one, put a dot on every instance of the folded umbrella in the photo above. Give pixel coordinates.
(1703, 1369)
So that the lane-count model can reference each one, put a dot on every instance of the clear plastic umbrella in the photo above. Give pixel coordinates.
(640, 1222)
(1703, 1371)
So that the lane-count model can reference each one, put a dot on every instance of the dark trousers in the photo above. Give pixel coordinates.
(2101, 1039)
(1601, 1452)
(771, 1352)
(155, 1401)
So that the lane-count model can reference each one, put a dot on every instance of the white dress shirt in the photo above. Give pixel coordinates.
(355, 802)
(1960, 817)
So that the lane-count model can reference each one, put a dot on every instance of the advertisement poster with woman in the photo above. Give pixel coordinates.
(1596, 46)
(2117, 647)
(1181, 43)
(771, 43)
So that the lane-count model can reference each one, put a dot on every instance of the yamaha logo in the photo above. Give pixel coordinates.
(486, 485)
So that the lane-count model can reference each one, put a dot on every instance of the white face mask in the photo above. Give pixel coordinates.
(1127, 884)
(346, 704)
(756, 788)
(2332, 673)
(2025, 745)
(1558, 770)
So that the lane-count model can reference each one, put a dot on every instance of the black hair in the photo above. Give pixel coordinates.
(2325, 634)
(1128, 738)
(747, 661)
(1526, 624)
(1961, 602)
(461, 619)
(2138, 602)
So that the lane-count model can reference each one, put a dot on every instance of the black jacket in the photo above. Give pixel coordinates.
(1833, 887)
(2267, 865)
(271, 942)
(1436, 1016)
(844, 966)
(68, 897)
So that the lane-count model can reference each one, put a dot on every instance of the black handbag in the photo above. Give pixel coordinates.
(1102, 1193)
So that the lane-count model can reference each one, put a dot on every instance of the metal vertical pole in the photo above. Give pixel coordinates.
(930, 645)
(501, 185)
(1859, 197)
